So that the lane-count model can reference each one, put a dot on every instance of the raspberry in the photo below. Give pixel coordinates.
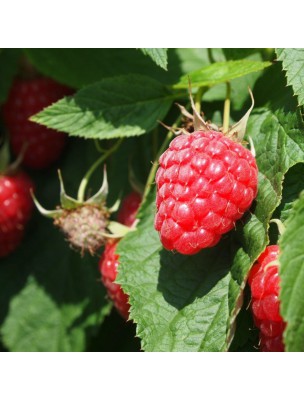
(108, 265)
(26, 98)
(129, 208)
(16, 207)
(264, 283)
(205, 183)
(83, 226)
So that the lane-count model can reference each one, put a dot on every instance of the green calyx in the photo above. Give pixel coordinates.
(85, 224)
(69, 203)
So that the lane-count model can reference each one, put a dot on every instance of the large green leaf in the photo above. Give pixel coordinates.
(123, 106)
(221, 72)
(81, 67)
(292, 277)
(190, 303)
(159, 56)
(62, 301)
(8, 68)
(51, 298)
(293, 64)
(270, 90)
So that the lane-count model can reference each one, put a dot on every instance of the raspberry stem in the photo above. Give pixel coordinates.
(198, 98)
(226, 117)
(85, 180)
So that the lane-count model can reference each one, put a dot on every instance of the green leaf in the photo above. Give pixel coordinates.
(51, 298)
(292, 277)
(115, 107)
(81, 67)
(239, 88)
(293, 64)
(272, 92)
(9, 59)
(159, 56)
(220, 72)
(190, 303)
(61, 302)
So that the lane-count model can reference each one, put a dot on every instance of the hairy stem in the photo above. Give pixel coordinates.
(85, 180)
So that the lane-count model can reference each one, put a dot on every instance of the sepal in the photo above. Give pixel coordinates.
(100, 197)
(67, 202)
(46, 213)
(239, 129)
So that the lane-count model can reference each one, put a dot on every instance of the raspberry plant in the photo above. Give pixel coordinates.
(119, 110)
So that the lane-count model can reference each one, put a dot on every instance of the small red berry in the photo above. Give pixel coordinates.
(205, 183)
(264, 283)
(129, 208)
(16, 207)
(27, 98)
(108, 265)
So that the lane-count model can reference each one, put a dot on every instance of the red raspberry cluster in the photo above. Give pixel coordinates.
(264, 283)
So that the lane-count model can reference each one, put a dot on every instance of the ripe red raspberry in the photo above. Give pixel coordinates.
(26, 98)
(108, 265)
(264, 283)
(16, 206)
(129, 208)
(205, 183)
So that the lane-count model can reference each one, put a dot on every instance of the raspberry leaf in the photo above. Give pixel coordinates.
(185, 303)
(159, 56)
(81, 67)
(292, 277)
(59, 301)
(113, 108)
(220, 72)
(292, 60)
